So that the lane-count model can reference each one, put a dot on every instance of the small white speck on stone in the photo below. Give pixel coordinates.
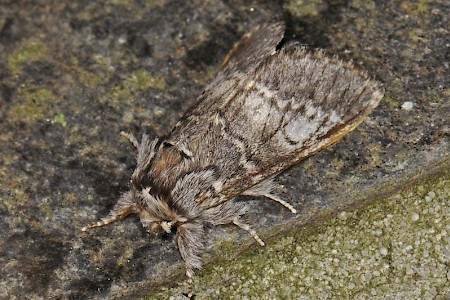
(122, 40)
(407, 105)
(415, 217)
(158, 111)
(343, 215)
(384, 251)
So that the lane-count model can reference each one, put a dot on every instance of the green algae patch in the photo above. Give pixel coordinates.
(143, 80)
(419, 8)
(97, 73)
(60, 119)
(92, 79)
(31, 50)
(125, 257)
(393, 103)
(155, 3)
(417, 35)
(122, 4)
(397, 247)
(301, 8)
(375, 155)
(140, 80)
(34, 105)
(437, 99)
(15, 198)
(92, 149)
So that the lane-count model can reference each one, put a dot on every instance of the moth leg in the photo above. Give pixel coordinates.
(131, 138)
(122, 209)
(281, 201)
(190, 281)
(247, 228)
(264, 189)
(190, 244)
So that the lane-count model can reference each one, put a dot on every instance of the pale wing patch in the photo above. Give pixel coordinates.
(301, 130)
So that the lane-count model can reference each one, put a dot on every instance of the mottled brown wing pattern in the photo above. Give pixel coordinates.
(272, 113)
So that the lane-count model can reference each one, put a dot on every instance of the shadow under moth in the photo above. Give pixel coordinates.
(267, 109)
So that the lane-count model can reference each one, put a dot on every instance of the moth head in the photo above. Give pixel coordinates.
(157, 216)
(158, 228)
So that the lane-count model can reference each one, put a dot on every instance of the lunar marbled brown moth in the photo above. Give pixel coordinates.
(267, 109)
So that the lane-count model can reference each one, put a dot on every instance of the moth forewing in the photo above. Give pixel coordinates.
(284, 109)
(266, 110)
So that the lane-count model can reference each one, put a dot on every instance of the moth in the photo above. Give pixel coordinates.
(268, 108)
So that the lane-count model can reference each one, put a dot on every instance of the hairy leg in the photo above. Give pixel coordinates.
(247, 228)
(264, 189)
(122, 209)
(190, 242)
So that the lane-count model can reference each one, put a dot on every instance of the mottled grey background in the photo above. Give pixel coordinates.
(73, 75)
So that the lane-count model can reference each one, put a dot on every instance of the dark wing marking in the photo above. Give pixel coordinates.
(251, 124)
(254, 46)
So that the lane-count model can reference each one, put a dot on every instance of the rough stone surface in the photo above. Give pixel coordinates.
(74, 74)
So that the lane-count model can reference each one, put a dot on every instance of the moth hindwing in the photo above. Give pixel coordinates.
(266, 110)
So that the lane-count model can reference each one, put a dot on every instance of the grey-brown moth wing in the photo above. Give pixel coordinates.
(255, 46)
(251, 123)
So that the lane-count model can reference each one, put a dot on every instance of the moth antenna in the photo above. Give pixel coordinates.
(281, 201)
(247, 228)
(131, 138)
